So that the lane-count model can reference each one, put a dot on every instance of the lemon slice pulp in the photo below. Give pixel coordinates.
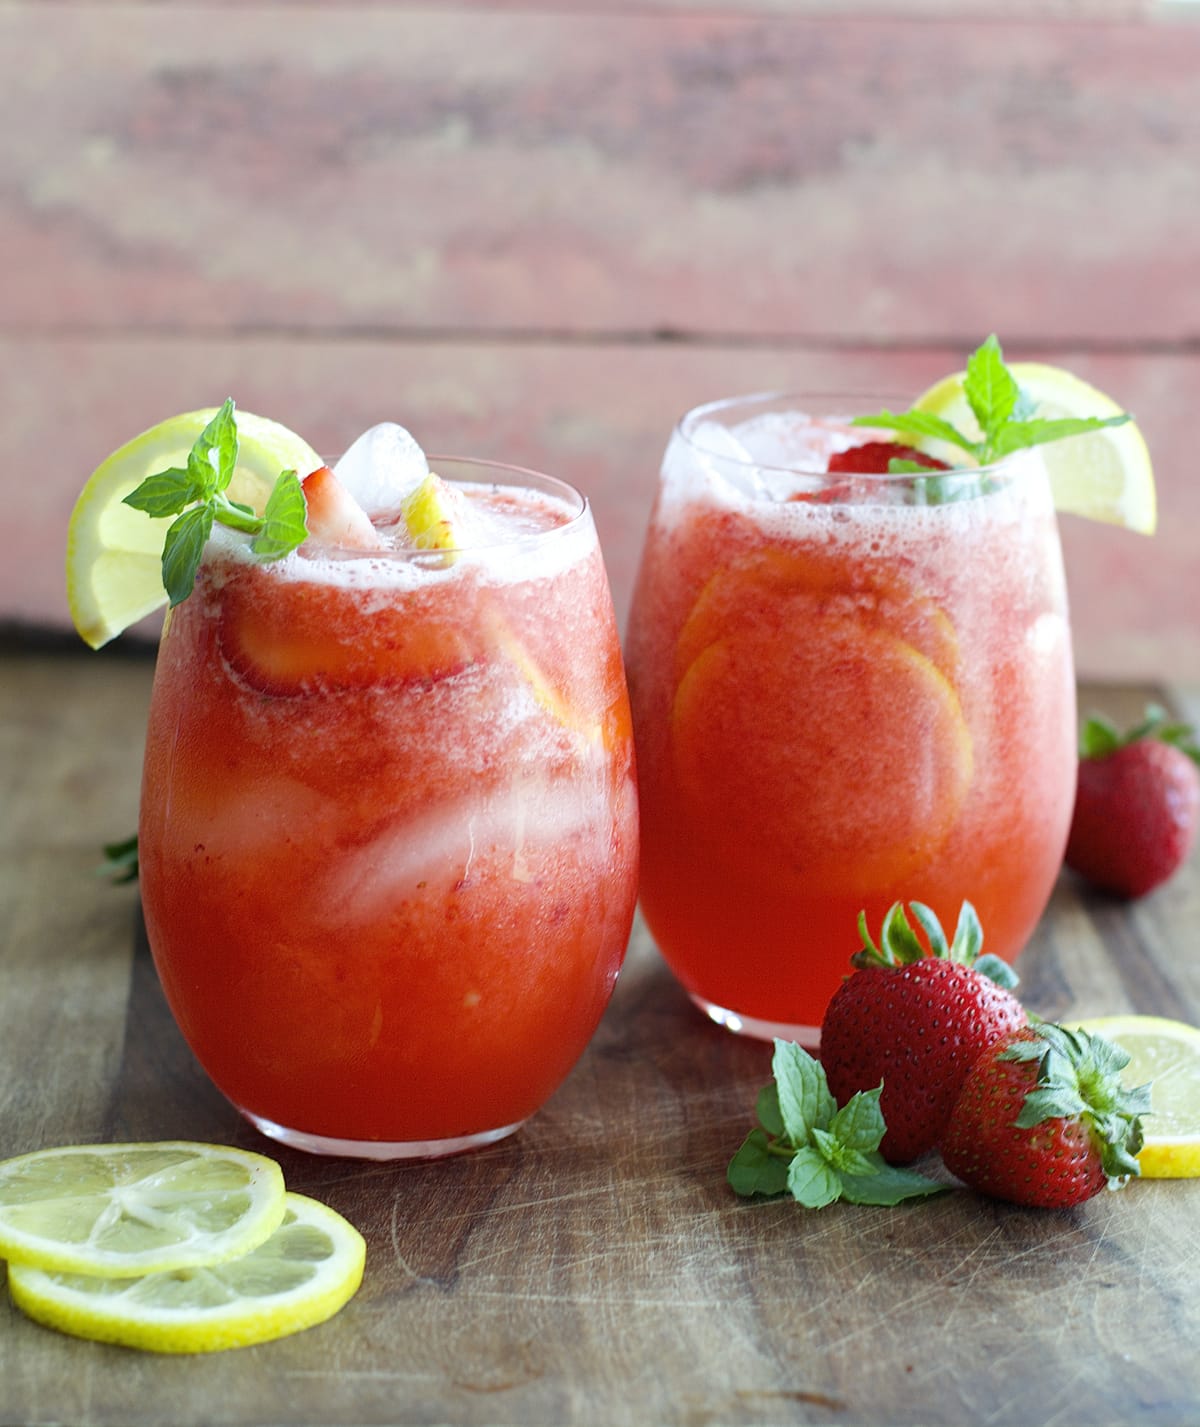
(123, 1210)
(114, 553)
(1166, 1053)
(1104, 475)
(300, 1276)
(436, 516)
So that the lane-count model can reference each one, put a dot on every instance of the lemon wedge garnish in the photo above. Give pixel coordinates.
(1166, 1053)
(1104, 475)
(114, 553)
(122, 1210)
(300, 1276)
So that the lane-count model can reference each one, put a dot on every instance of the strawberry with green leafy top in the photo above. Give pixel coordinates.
(1137, 804)
(1044, 1119)
(916, 1020)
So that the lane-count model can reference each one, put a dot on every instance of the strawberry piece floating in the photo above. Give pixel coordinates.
(874, 458)
(334, 516)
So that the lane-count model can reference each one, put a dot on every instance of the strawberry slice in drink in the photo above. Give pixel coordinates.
(874, 458)
(287, 636)
(333, 516)
(297, 638)
(834, 789)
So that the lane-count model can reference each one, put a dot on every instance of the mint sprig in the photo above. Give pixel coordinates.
(196, 495)
(1003, 411)
(806, 1146)
(120, 861)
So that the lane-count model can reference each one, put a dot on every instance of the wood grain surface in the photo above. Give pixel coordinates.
(542, 231)
(595, 1268)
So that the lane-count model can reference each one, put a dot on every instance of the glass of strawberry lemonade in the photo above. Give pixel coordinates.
(388, 837)
(850, 687)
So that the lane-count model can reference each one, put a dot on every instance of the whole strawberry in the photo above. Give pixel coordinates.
(916, 1021)
(1043, 1119)
(1137, 804)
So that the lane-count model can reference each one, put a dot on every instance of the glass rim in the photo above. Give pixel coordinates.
(489, 473)
(835, 404)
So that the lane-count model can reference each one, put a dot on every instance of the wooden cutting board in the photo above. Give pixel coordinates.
(595, 1268)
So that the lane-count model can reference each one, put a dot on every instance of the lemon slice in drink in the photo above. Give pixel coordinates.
(436, 516)
(1104, 475)
(123, 1210)
(1167, 1053)
(114, 553)
(310, 1267)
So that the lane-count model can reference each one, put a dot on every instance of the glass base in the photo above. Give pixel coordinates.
(377, 1149)
(807, 1036)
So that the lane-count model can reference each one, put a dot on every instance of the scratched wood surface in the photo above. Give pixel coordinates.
(541, 231)
(595, 1268)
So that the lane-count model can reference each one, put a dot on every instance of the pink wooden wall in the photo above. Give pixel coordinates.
(541, 231)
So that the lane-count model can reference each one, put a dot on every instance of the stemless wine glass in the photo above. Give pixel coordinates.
(848, 689)
(388, 833)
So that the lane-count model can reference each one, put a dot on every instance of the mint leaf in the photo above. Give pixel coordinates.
(804, 1099)
(196, 495)
(1018, 435)
(812, 1181)
(766, 1108)
(166, 493)
(219, 438)
(283, 528)
(918, 424)
(843, 1159)
(805, 1145)
(859, 1124)
(755, 1170)
(1005, 413)
(886, 1185)
(120, 861)
(990, 388)
(183, 551)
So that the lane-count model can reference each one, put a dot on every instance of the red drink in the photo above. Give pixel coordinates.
(389, 830)
(842, 698)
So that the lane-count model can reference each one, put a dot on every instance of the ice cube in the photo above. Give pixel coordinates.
(793, 448)
(713, 451)
(381, 468)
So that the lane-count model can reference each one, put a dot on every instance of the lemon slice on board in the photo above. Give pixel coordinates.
(1167, 1053)
(124, 1210)
(308, 1269)
(1104, 475)
(114, 553)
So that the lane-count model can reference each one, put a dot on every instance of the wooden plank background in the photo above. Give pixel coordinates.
(541, 231)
